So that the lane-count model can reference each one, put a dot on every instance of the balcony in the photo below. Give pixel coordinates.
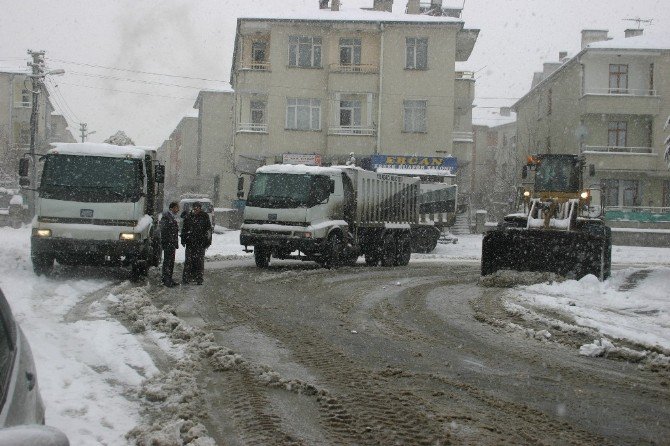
(617, 149)
(353, 68)
(620, 101)
(252, 127)
(461, 136)
(22, 104)
(464, 91)
(348, 130)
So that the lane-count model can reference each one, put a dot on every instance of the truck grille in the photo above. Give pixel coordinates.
(88, 221)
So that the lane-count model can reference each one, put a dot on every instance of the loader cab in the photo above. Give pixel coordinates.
(558, 173)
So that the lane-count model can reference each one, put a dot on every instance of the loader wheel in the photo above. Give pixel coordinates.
(388, 256)
(262, 256)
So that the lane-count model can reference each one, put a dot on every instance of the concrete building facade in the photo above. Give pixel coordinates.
(333, 81)
(609, 102)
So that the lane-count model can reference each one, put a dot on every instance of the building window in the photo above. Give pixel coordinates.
(350, 113)
(258, 112)
(259, 52)
(25, 98)
(666, 194)
(304, 51)
(303, 114)
(415, 116)
(624, 193)
(416, 53)
(549, 101)
(616, 133)
(618, 79)
(350, 51)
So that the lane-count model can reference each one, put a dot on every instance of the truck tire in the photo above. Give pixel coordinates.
(388, 255)
(333, 254)
(404, 247)
(262, 256)
(43, 264)
(372, 259)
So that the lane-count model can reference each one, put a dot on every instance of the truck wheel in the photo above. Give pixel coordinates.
(404, 249)
(333, 251)
(372, 259)
(262, 256)
(43, 264)
(388, 257)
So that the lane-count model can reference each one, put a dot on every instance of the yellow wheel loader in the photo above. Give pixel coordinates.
(561, 229)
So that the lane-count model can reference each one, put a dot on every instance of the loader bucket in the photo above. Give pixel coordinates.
(572, 254)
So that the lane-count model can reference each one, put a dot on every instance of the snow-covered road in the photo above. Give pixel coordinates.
(90, 366)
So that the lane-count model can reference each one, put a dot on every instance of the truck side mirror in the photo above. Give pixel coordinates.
(240, 187)
(592, 170)
(524, 172)
(24, 167)
(24, 181)
(160, 173)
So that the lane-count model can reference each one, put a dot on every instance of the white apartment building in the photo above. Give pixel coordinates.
(330, 81)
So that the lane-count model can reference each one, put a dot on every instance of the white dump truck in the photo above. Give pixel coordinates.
(330, 215)
(98, 204)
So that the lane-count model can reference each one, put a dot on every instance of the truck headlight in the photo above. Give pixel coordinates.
(526, 193)
(304, 234)
(42, 232)
(129, 236)
(584, 195)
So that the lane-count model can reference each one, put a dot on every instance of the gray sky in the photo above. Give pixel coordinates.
(195, 39)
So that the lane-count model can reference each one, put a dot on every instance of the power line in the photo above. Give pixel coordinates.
(126, 79)
(138, 71)
(61, 109)
(125, 91)
(57, 93)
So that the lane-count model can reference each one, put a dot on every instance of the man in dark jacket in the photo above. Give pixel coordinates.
(196, 235)
(169, 229)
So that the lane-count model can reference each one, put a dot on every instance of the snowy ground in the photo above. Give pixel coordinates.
(90, 367)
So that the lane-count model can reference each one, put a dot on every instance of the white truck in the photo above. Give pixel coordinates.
(330, 215)
(98, 204)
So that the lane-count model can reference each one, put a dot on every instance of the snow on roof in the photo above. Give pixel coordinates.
(352, 14)
(98, 149)
(643, 42)
(299, 169)
(13, 71)
(491, 117)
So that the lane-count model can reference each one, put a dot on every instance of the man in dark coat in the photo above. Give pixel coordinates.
(196, 235)
(169, 229)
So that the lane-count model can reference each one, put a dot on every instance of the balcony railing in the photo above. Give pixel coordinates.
(617, 149)
(22, 104)
(620, 92)
(353, 68)
(463, 136)
(351, 130)
(255, 66)
(465, 75)
(252, 127)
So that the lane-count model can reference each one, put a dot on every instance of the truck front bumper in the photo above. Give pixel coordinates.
(66, 247)
(284, 242)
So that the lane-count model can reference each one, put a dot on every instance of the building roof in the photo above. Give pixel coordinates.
(643, 42)
(352, 14)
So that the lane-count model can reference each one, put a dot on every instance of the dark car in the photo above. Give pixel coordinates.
(21, 406)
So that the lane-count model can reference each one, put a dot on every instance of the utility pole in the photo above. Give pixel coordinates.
(37, 66)
(37, 80)
(83, 128)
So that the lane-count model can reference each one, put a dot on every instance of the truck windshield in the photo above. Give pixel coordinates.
(91, 179)
(557, 174)
(283, 190)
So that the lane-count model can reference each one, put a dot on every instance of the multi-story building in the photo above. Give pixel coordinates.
(16, 102)
(182, 162)
(332, 81)
(609, 102)
(59, 130)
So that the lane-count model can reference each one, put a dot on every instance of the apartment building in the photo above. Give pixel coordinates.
(330, 81)
(609, 102)
(182, 162)
(16, 102)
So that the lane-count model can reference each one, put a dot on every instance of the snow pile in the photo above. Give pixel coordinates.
(173, 400)
(628, 315)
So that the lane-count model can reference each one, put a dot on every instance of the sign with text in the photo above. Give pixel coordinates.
(309, 159)
(420, 165)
